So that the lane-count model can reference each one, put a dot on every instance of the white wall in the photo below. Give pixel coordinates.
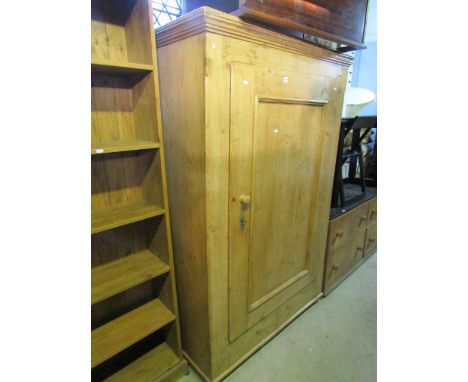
(371, 27)
(365, 63)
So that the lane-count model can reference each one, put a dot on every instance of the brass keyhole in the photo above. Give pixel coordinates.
(242, 222)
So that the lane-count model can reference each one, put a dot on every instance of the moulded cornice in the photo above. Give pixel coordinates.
(209, 20)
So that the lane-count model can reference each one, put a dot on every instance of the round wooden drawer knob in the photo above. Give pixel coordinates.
(339, 233)
(244, 199)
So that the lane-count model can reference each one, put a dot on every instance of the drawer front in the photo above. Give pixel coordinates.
(372, 213)
(371, 240)
(344, 228)
(341, 260)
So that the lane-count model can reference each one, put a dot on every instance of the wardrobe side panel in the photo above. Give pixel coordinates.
(181, 71)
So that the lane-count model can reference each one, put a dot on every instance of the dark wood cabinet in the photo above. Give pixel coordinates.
(342, 21)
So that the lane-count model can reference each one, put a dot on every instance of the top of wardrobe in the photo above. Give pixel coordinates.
(209, 20)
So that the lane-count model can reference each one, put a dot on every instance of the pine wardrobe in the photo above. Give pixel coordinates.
(251, 120)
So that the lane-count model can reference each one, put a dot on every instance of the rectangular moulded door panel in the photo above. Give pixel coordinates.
(276, 135)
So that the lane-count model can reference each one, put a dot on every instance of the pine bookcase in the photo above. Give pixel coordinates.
(134, 318)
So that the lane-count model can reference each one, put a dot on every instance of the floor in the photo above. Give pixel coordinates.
(335, 340)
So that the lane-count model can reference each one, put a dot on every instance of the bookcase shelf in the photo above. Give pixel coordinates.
(136, 333)
(148, 367)
(105, 66)
(113, 216)
(108, 147)
(115, 336)
(122, 274)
